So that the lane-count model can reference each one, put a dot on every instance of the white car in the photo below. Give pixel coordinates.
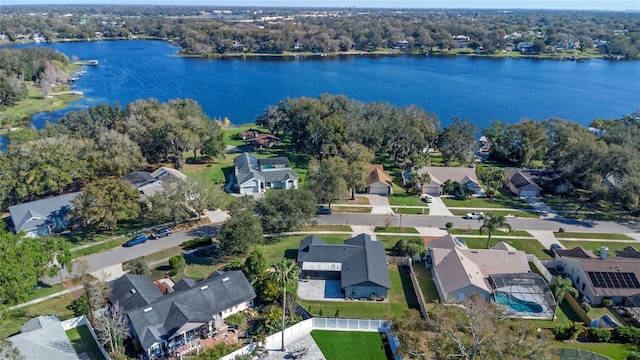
(426, 198)
(476, 215)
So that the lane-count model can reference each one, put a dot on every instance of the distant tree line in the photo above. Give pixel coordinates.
(103, 141)
(274, 31)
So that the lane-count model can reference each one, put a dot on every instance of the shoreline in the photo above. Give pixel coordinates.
(501, 54)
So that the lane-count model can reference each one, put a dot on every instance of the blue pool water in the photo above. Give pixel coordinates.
(517, 304)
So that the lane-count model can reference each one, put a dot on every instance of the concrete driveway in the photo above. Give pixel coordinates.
(438, 208)
(379, 204)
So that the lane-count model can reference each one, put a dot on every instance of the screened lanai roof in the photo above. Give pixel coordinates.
(525, 295)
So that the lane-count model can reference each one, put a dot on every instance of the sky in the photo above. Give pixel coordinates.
(612, 5)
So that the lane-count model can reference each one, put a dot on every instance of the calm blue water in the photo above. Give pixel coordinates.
(517, 304)
(478, 89)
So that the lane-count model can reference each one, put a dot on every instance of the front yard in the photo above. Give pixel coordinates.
(502, 200)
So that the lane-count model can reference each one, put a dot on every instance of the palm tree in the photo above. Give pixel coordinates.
(491, 223)
(285, 272)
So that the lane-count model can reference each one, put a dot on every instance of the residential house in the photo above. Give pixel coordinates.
(44, 337)
(258, 139)
(460, 272)
(524, 182)
(160, 320)
(524, 47)
(42, 217)
(521, 184)
(360, 264)
(252, 175)
(154, 182)
(601, 277)
(440, 174)
(378, 181)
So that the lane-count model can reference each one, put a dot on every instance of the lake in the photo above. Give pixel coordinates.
(475, 88)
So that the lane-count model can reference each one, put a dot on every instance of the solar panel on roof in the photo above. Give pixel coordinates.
(615, 280)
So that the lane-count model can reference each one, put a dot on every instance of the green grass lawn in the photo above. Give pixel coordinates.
(590, 235)
(351, 209)
(320, 227)
(426, 283)
(529, 246)
(231, 136)
(360, 200)
(401, 297)
(14, 319)
(349, 345)
(505, 213)
(406, 199)
(83, 342)
(614, 351)
(396, 229)
(596, 245)
(34, 103)
(564, 316)
(44, 291)
(501, 201)
(471, 231)
(411, 211)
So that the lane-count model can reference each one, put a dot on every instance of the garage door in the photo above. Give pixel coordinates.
(528, 193)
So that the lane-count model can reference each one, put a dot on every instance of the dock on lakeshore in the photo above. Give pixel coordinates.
(87, 62)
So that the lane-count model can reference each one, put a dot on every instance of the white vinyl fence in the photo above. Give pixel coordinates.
(304, 327)
(82, 320)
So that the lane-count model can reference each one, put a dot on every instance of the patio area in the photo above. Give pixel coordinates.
(323, 290)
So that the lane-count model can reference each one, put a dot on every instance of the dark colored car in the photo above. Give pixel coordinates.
(324, 211)
(139, 239)
(554, 247)
(161, 233)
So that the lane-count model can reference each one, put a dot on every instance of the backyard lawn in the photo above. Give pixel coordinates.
(426, 283)
(614, 351)
(349, 345)
(401, 297)
(83, 342)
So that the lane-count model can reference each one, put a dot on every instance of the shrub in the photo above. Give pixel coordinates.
(448, 225)
(607, 302)
(177, 263)
(628, 334)
(599, 335)
(80, 306)
(633, 355)
(585, 306)
(234, 265)
(567, 332)
(196, 243)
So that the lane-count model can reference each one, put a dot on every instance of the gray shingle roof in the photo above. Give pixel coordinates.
(32, 215)
(519, 179)
(134, 291)
(363, 260)
(161, 319)
(44, 337)
(248, 167)
(139, 178)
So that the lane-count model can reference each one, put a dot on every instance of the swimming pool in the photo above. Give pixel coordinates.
(516, 304)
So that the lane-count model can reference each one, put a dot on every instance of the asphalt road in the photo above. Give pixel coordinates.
(621, 227)
(122, 254)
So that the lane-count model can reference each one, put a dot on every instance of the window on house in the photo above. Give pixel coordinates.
(578, 281)
(353, 291)
(583, 285)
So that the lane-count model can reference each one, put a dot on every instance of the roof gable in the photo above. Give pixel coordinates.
(44, 335)
(377, 174)
(440, 174)
(34, 214)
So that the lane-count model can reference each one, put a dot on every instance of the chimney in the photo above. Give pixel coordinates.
(604, 252)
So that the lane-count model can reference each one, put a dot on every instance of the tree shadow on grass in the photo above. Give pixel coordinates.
(407, 288)
(197, 260)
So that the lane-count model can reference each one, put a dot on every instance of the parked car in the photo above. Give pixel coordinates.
(476, 215)
(139, 239)
(555, 247)
(161, 233)
(427, 198)
(324, 211)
